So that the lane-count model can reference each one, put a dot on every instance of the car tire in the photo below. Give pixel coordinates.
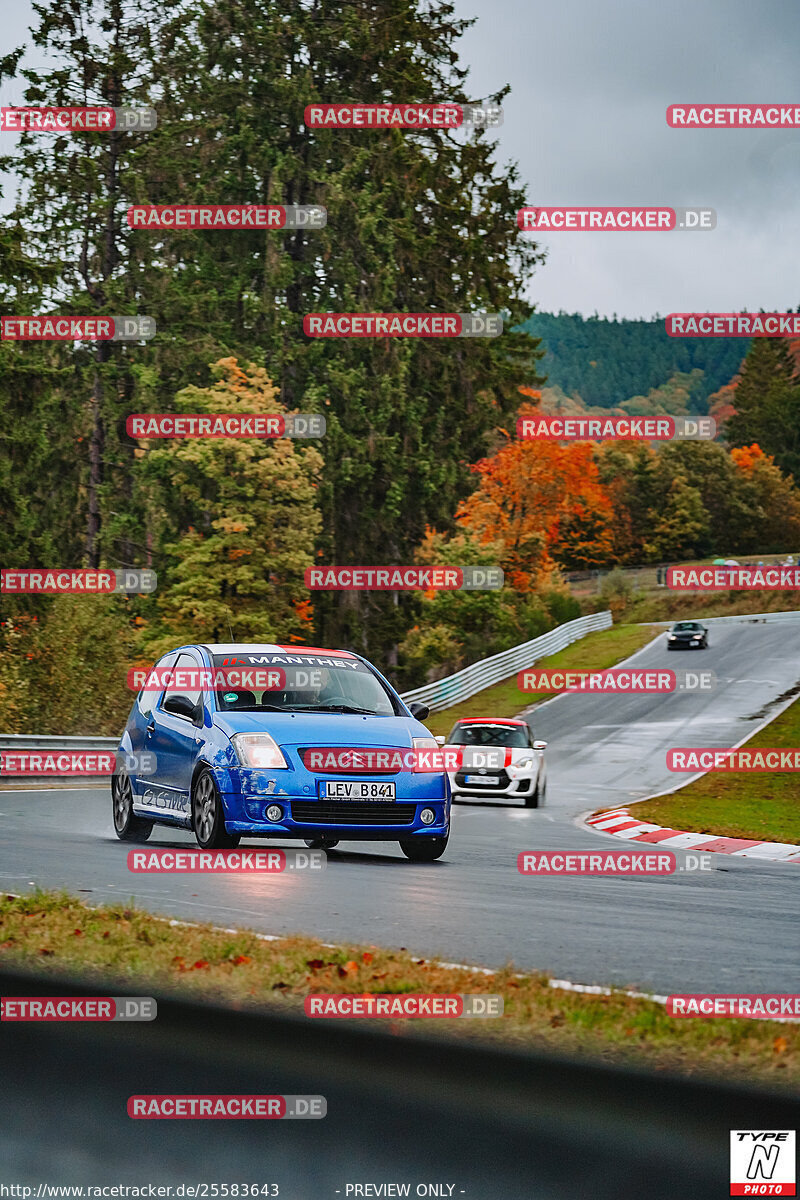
(424, 849)
(321, 843)
(536, 798)
(127, 826)
(208, 815)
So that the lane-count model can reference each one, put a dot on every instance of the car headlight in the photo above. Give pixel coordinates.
(524, 764)
(258, 750)
(695, 639)
(673, 637)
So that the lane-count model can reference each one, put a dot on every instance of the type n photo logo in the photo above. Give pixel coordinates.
(763, 1162)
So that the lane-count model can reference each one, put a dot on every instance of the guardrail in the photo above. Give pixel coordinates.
(475, 1121)
(454, 688)
(753, 618)
(438, 695)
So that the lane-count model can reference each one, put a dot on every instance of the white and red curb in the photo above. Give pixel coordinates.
(620, 823)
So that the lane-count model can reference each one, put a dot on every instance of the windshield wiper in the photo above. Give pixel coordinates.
(341, 708)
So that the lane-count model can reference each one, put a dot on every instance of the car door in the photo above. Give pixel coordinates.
(141, 720)
(175, 740)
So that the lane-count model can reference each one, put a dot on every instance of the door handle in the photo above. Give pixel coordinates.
(150, 727)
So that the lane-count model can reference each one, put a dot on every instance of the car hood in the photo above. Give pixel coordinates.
(686, 634)
(324, 729)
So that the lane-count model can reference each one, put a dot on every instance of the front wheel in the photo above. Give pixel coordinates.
(208, 817)
(127, 826)
(533, 800)
(321, 843)
(424, 849)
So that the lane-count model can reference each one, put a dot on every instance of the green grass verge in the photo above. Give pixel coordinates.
(596, 651)
(53, 933)
(762, 804)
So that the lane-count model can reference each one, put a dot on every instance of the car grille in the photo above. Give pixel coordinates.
(354, 812)
(499, 780)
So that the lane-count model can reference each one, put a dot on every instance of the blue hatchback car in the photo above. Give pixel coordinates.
(230, 761)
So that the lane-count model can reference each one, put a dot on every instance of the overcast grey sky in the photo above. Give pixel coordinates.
(586, 121)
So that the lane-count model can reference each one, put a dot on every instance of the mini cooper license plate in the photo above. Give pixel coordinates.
(346, 789)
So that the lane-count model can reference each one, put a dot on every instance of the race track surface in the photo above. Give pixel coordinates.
(733, 928)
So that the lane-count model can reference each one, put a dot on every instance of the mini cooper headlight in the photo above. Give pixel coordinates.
(258, 750)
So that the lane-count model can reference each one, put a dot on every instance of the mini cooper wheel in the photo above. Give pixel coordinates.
(321, 843)
(127, 826)
(534, 798)
(208, 817)
(424, 849)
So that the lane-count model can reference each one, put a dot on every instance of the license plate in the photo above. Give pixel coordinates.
(346, 789)
(480, 779)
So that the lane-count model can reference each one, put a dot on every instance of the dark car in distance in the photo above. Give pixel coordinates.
(687, 635)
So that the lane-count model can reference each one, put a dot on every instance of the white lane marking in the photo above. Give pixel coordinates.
(614, 822)
(775, 850)
(594, 989)
(687, 840)
(635, 831)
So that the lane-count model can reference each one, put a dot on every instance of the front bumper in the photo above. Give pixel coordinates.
(503, 786)
(352, 820)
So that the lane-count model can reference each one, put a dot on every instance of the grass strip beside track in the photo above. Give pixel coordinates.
(755, 804)
(595, 652)
(53, 933)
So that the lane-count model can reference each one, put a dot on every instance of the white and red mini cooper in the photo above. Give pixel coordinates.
(498, 759)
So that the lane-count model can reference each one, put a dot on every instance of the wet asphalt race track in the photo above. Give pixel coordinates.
(733, 928)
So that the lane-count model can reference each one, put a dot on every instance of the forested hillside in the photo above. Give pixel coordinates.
(604, 363)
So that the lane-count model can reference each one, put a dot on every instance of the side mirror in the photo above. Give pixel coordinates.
(181, 706)
(540, 745)
(420, 711)
(440, 739)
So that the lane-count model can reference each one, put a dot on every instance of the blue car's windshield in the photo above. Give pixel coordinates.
(300, 683)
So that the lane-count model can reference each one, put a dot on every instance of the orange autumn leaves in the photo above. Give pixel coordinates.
(544, 502)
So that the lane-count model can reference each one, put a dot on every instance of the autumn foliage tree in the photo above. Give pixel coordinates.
(238, 521)
(545, 504)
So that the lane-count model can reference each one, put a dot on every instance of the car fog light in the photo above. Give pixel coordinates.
(427, 816)
(274, 812)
